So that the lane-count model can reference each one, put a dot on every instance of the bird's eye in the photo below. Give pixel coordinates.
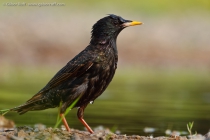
(116, 22)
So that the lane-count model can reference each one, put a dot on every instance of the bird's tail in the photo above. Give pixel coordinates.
(23, 108)
(20, 109)
(28, 106)
(35, 103)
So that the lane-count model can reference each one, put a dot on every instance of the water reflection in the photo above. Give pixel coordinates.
(130, 104)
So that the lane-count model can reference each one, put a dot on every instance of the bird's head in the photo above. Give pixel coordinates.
(109, 27)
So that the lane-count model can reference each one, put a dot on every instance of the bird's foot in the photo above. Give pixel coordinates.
(65, 122)
(86, 125)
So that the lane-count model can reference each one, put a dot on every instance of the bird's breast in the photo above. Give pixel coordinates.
(101, 74)
(94, 81)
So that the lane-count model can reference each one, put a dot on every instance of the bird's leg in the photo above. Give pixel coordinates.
(65, 122)
(80, 117)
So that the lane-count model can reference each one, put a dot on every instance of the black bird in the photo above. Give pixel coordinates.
(86, 76)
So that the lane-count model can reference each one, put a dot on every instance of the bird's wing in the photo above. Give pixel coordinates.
(74, 68)
(68, 72)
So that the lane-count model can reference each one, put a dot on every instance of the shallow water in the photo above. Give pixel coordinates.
(134, 100)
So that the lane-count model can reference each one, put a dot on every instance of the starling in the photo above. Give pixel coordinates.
(86, 76)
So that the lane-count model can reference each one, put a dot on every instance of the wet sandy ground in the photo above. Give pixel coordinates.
(29, 133)
(8, 131)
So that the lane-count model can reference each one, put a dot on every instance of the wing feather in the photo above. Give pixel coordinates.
(74, 68)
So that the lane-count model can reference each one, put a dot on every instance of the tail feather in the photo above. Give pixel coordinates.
(35, 103)
(29, 106)
(22, 108)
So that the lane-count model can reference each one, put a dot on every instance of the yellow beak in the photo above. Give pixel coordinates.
(133, 23)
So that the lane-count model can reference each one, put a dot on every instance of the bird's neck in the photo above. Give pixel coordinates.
(103, 38)
(104, 43)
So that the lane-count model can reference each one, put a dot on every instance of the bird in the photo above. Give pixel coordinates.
(86, 76)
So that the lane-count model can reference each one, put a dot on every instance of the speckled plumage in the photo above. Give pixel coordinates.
(86, 76)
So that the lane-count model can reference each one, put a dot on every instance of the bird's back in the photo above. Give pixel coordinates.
(86, 76)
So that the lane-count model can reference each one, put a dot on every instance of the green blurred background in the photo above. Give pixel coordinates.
(162, 80)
